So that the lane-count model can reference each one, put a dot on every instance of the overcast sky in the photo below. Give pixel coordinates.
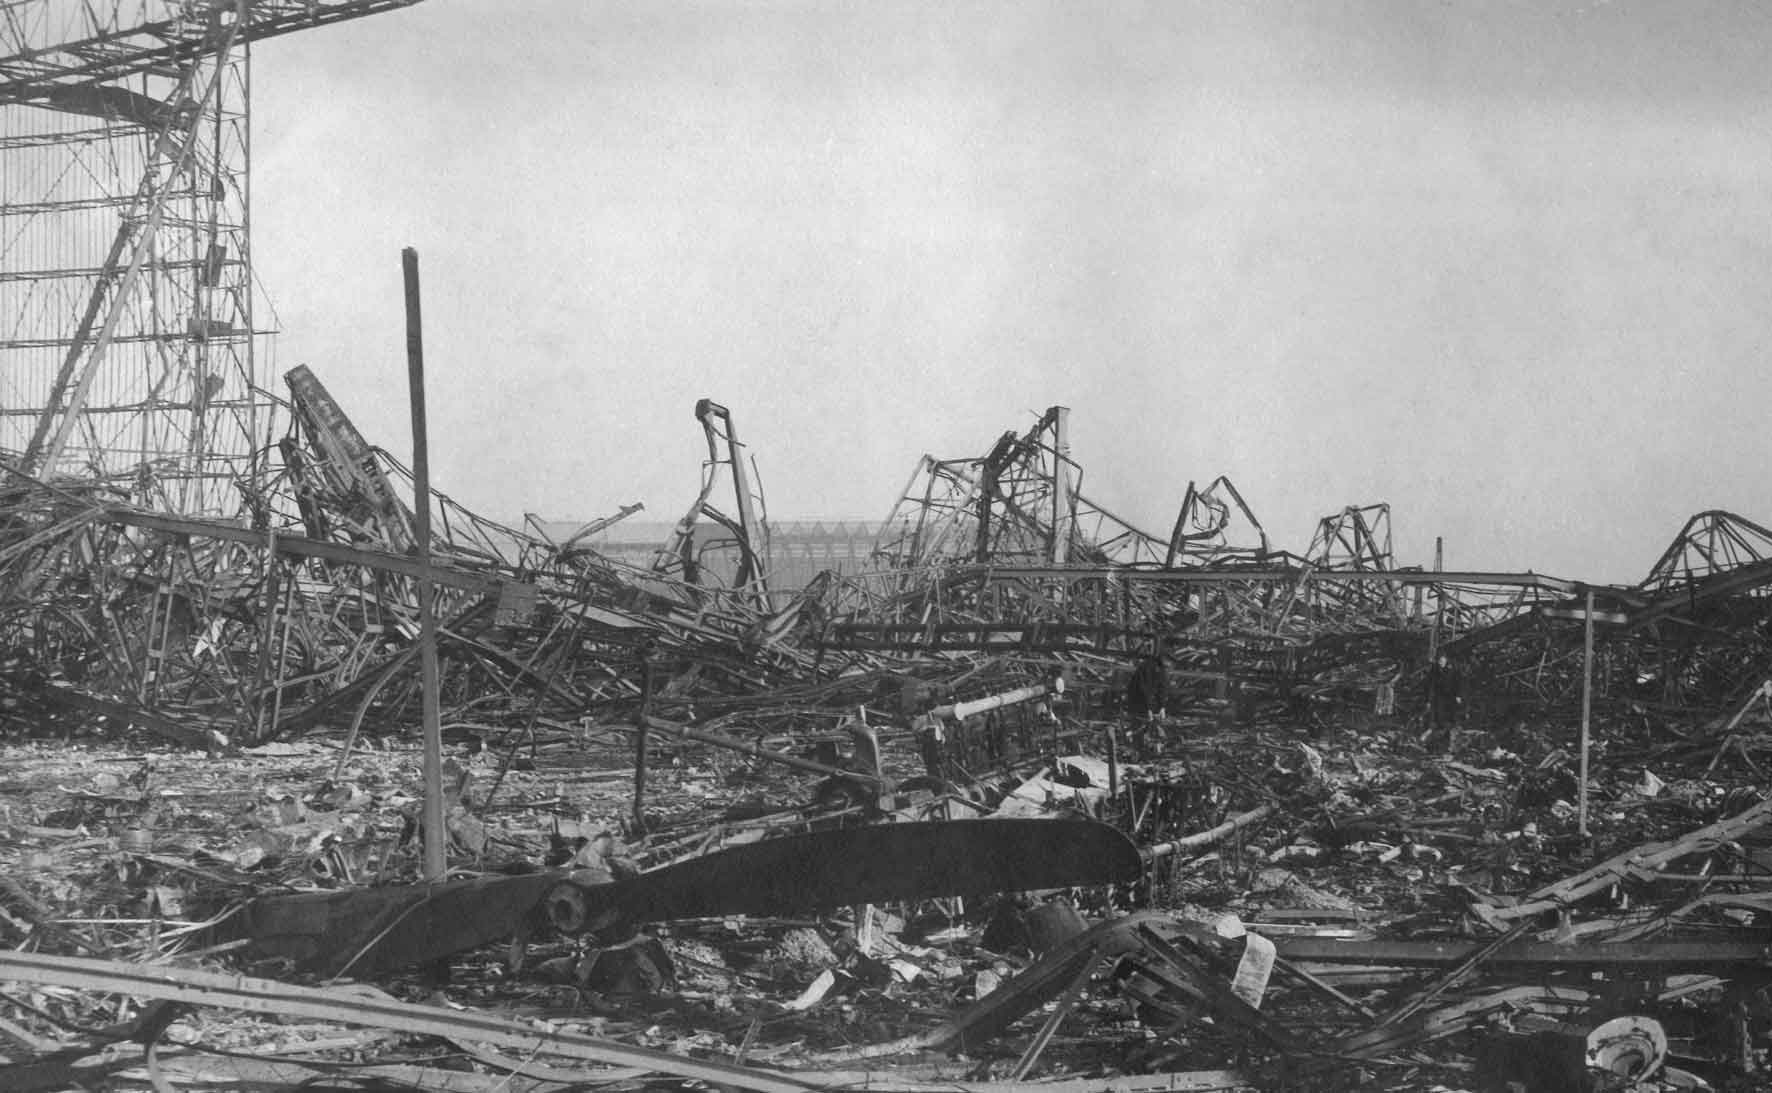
(1505, 265)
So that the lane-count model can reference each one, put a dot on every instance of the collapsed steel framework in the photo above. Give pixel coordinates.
(132, 413)
(304, 614)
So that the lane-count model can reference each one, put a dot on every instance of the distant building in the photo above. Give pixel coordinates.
(798, 549)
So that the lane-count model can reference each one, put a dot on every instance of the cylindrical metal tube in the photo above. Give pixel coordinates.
(436, 838)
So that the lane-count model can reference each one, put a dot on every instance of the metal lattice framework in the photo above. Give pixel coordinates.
(125, 258)
(1209, 531)
(1712, 542)
(1019, 503)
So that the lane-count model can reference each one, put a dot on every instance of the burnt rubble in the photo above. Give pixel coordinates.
(1033, 797)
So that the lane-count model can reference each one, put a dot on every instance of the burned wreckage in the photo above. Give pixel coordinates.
(1030, 796)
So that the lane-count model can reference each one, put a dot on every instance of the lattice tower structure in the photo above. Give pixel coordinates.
(129, 351)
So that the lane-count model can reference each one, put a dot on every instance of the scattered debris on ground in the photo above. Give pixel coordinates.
(1036, 798)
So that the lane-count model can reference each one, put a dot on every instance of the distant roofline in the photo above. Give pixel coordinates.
(656, 532)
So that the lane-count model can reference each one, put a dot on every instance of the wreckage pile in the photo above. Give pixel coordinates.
(1036, 797)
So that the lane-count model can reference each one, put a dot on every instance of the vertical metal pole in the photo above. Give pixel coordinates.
(756, 535)
(647, 679)
(1061, 485)
(1433, 635)
(1180, 529)
(1587, 705)
(1113, 750)
(436, 838)
(269, 638)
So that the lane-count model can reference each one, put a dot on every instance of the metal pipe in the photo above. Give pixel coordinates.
(1207, 838)
(436, 839)
(960, 711)
(1587, 704)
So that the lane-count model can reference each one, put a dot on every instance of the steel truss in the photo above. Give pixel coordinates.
(128, 355)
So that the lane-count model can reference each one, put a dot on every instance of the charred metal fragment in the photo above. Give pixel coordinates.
(366, 930)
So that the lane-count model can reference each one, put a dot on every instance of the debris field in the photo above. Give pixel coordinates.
(1032, 800)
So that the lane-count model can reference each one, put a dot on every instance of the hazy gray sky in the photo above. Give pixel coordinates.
(1505, 265)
